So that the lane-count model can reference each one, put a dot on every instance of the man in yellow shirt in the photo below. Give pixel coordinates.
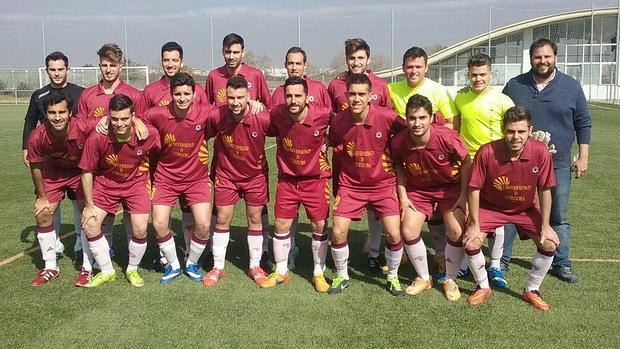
(480, 113)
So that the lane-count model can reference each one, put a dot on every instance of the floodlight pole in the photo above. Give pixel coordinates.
(392, 45)
(211, 29)
(489, 41)
(126, 49)
(617, 82)
(43, 38)
(591, 36)
(299, 27)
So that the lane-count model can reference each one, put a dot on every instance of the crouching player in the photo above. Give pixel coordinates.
(120, 162)
(54, 151)
(432, 166)
(359, 136)
(505, 177)
(303, 173)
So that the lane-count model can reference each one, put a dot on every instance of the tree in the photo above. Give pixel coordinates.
(259, 61)
(436, 48)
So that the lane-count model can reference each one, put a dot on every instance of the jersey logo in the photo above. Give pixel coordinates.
(80, 146)
(254, 134)
(324, 163)
(344, 106)
(311, 98)
(198, 127)
(169, 138)
(111, 160)
(164, 102)
(203, 153)
(221, 95)
(139, 152)
(228, 139)
(249, 85)
(374, 96)
(316, 133)
(98, 112)
(378, 135)
(351, 148)
(287, 142)
(386, 161)
(441, 157)
(500, 183)
(535, 169)
(144, 165)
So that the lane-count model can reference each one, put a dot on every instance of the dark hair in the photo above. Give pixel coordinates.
(353, 45)
(121, 102)
(296, 80)
(418, 101)
(359, 78)
(543, 42)
(56, 97)
(182, 79)
(232, 39)
(415, 52)
(111, 51)
(478, 60)
(515, 114)
(55, 56)
(236, 82)
(172, 46)
(295, 49)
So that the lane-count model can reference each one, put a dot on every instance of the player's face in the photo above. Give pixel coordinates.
(233, 55)
(543, 61)
(480, 78)
(358, 62)
(358, 96)
(121, 122)
(295, 65)
(415, 70)
(516, 135)
(171, 62)
(418, 121)
(183, 97)
(110, 70)
(57, 72)
(237, 100)
(58, 116)
(295, 99)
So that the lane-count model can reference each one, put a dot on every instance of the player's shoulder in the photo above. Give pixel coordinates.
(314, 83)
(400, 138)
(339, 80)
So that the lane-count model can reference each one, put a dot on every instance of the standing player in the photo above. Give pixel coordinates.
(432, 166)
(505, 178)
(54, 150)
(415, 69)
(295, 64)
(303, 173)
(357, 55)
(481, 110)
(57, 68)
(240, 172)
(120, 162)
(182, 169)
(359, 136)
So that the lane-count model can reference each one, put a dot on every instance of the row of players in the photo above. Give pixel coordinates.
(357, 93)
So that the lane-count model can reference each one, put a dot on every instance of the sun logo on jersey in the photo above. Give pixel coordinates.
(203, 153)
(99, 112)
(324, 162)
(287, 142)
(344, 106)
(228, 139)
(386, 161)
(414, 169)
(164, 102)
(144, 165)
(169, 138)
(351, 148)
(221, 95)
(326, 192)
(500, 183)
(111, 160)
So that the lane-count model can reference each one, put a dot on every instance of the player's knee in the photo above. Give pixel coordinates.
(454, 234)
(548, 247)
(139, 234)
(201, 229)
(44, 219)
(160, 226)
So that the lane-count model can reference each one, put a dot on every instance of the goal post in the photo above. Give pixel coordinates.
(137, 77)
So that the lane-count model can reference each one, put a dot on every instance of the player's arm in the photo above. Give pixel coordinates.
(89, 207)
(41, 203)
(583, 130)
(472, 231)
(546, 232)
(580, 166)
(30, 123)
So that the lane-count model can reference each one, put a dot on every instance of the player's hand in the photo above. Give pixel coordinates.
(256, 106)
(580, 167)
(87, 214)
(548, 234)
(24, 157)
(102, 126)
(405, 204)
(40, 205)
(473, 237)
(142, 132)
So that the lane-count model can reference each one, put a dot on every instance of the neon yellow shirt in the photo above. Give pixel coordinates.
(481, 117)
(434, 91)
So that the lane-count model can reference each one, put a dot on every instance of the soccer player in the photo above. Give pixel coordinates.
(481, 110)
(57, 68)
(505, 178)
(357, 56)
(120, 162)
(558, 105)
(240, 172)
(303, 173)
(53, 152)
(432, 166)
(182, 169)
(415, 69)
(359, 136)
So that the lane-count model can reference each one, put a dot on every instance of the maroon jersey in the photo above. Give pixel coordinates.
(510, 186)
(317, 94)
(59, 157)
(239, 146)
(184, 156)
(118, 166)
(299, 152)
(434, 165)
(215, 87)
(361, 149)
(158, 94)
(379, 94)
(94, 101)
